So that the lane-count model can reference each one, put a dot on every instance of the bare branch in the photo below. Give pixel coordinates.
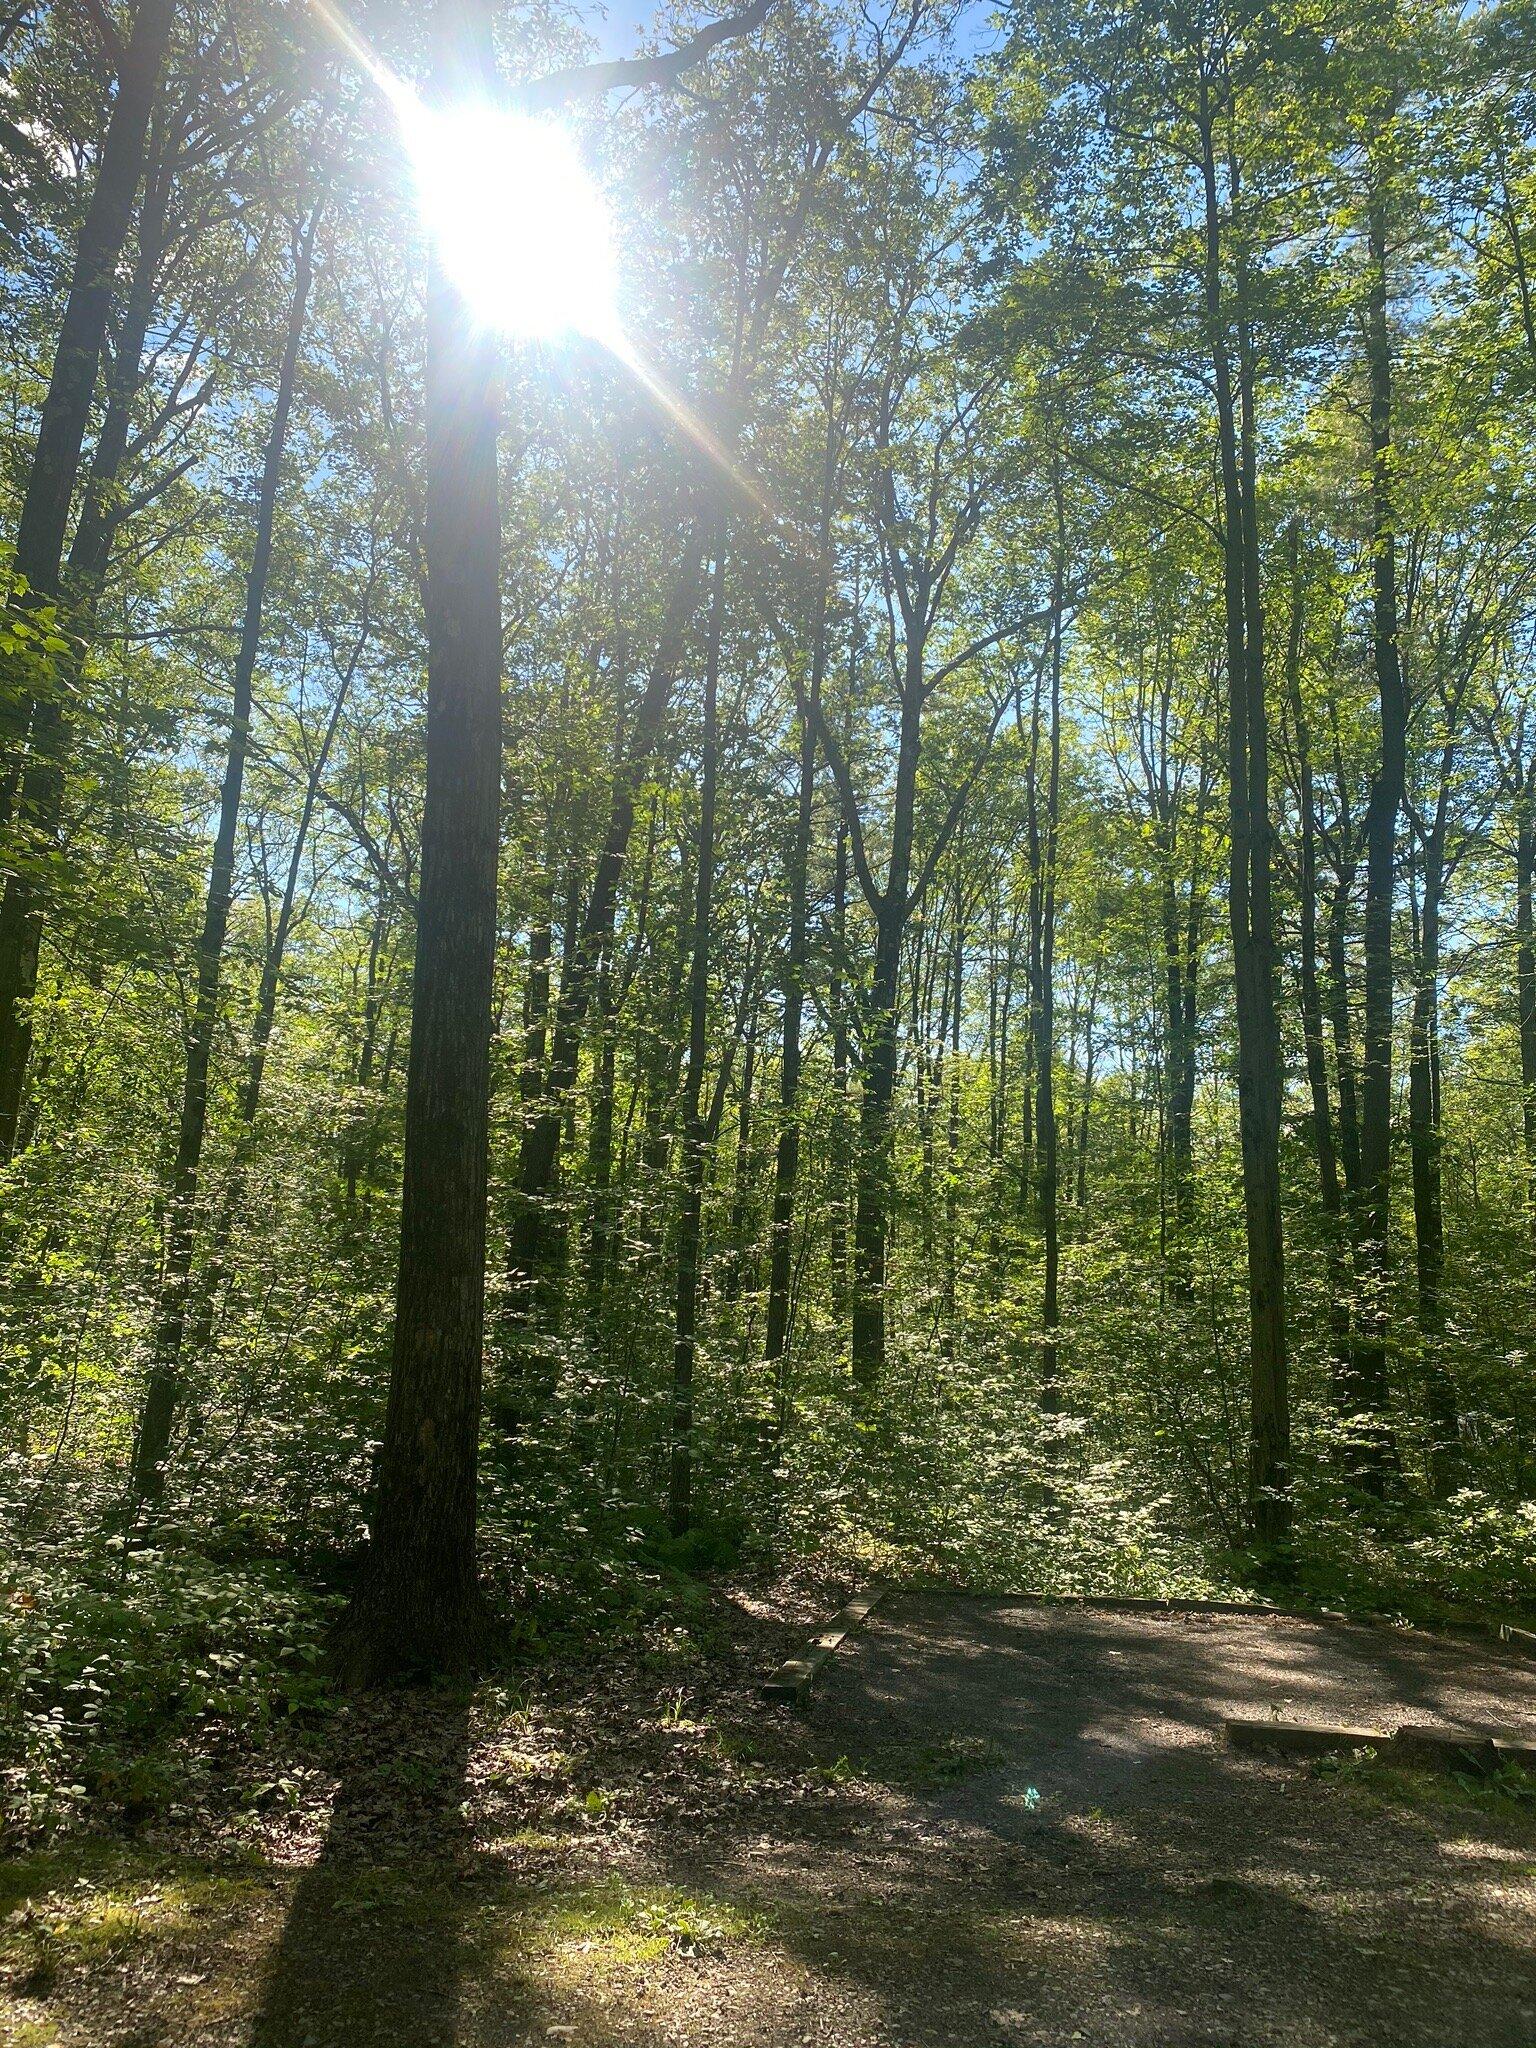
(583, 81)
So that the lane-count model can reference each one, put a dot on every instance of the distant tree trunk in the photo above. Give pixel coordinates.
(603, 1207)
(873, 1174)
(1311, 994)
(418, 1604)
(1181, 1054)
(1425, 1146)
(1047, 1139)
(695, 1132)
(1525, 976)
(741, 1260)
(55, 464)
(1250, 881)
(786, 1166)
(1090, 1049)
(1374, 1450)
(1341, 1027)
(1000, 1122)
(600, 1163)
(264, 1020)
(163, 1389)
(837, 1003)
(879, 1047)
(357, 1144)
(539, 1150)
(949, 1306)
(1182, 938)
(928, 1076)
(24, 907)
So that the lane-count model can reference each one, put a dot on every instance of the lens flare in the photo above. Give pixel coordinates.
(519, 225)
(521, 228)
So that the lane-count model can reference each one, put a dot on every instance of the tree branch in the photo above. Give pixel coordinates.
(630, 73)
(96, 13)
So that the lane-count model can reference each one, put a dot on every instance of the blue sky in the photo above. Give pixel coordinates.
(618, 27)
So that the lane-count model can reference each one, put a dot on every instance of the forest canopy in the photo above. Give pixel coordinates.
(868, 888)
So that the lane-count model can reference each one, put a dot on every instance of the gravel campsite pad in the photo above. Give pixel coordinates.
(996, 1822)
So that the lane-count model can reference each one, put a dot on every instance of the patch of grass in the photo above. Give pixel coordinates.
(516, 1767)
(32, 2034)
(69, 1911)
(954, 1758)
(618, 1922)
(735, 1748)
(919, 1767)
(1508, 1793)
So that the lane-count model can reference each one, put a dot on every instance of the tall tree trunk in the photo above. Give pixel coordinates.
(1249, 893)
(418, 1605)
(1525, 977)
(55, 464)
(892, 908)
(1374, 1198)
(695, 1131)
(1311, 995)
(24, 908)
(837, 1003)
(786, 1165)
(1047, 1137)
(163, 1389)
(1425, 1147)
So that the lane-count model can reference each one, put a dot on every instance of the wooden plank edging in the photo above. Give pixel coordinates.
(1477, 1750)
(794, 1678)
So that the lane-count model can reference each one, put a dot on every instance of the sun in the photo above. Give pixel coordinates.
(519, 225)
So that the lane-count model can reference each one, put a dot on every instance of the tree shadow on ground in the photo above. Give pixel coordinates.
(372, 1946)
(625, 1874)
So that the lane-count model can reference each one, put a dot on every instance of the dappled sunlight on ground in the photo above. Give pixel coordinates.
(998, 1824)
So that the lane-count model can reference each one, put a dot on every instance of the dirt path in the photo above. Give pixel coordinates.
(1145, 1884)
(997, 1824)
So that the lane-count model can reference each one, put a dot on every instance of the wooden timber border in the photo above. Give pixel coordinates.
(792, 1681)
(1475, 1750)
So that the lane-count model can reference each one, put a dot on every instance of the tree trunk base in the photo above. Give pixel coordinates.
(396, 1635)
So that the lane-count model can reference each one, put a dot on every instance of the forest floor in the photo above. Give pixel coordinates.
(997, 1823)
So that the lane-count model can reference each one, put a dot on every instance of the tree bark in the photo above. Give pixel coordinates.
(24, 908)
(1525, 978)
(1047, 1136)
(695, 1132)
(1373, 1452)
(786, 1165)
(55, 464)
(1249, 893)
(418, 1605)
(1329, 1189)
